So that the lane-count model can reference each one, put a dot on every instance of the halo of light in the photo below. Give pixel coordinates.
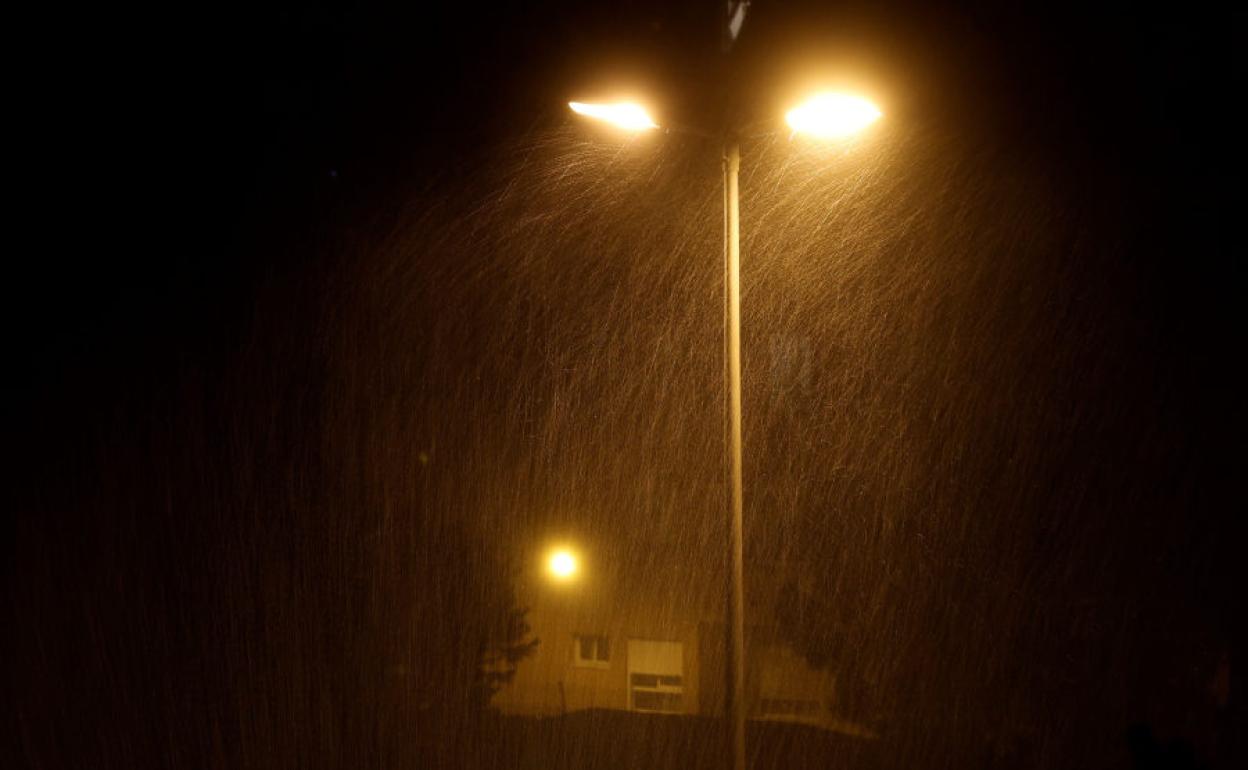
(562, 564)
(629, 116)
(832, 115)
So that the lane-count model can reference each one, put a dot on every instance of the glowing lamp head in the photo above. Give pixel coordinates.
(562, 565)
(832, 115)
(626, 115)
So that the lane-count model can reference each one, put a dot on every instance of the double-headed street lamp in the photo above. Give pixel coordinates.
(823, 116)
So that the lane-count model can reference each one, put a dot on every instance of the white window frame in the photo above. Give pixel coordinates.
(601, 646)
(659, 688)
(658, 673)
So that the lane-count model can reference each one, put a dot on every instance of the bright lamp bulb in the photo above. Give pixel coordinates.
(830, 116)
(625, 115)
(562, 565)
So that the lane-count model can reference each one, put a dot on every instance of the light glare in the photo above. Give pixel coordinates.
(562, 565)
(830, 115)
(625, 115)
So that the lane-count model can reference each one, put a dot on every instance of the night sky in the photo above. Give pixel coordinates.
(311, 297)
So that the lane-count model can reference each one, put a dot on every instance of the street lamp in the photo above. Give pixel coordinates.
(562, 565)
(823, 116)
(626, 115)
(832, 115)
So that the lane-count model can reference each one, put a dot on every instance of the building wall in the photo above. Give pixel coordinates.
(779, 685)
(551, 681)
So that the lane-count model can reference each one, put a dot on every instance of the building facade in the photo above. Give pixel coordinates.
(656, 648)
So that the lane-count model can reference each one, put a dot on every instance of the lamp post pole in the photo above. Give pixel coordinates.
(825, 115)
(735, 627)
(734, 636)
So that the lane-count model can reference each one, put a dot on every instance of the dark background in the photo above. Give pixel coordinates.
(193, 179)
(189, 151)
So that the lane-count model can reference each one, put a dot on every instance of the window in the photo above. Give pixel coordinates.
(655, 676)
(591, 651)
(656, 693)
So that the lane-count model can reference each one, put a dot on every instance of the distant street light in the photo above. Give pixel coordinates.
(562, 565)
(823, 116)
